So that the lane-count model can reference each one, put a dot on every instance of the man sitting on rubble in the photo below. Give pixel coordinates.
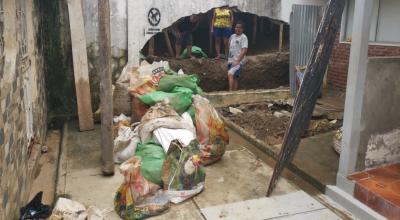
(183, 30)
(238, 45)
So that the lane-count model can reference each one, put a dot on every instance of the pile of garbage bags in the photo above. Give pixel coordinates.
(173, 132)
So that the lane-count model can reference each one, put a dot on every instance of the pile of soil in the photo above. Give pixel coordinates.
(259, 119)
(263, 71)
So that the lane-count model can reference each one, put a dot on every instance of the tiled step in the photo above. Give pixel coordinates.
(379, 189)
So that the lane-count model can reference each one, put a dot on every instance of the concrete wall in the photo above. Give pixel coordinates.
(140, 29)
(170, 12)
(22, 104)
(381, 103)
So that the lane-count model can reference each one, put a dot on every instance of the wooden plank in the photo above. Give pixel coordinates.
(81, 74)
(293, 204)
(151, 46)
(168, 43)
(280, 37)
(254, 41)
(106, 101)
(310, 88)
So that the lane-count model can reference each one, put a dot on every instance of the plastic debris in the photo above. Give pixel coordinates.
(35, 209)
(125, 144)
(235, 111)
(183, 175)
(278, 114)
(68, 209)
(138, 198)
(211, 132)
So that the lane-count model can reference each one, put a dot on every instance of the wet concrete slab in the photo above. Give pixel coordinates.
(316, 157)
(297, 205)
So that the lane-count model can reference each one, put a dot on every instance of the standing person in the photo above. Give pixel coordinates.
(221, 26)
(238, 45)
(183, 30)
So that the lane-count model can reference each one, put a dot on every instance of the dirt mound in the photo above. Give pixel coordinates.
(264, 71)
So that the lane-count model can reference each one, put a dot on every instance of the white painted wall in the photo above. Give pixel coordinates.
(129, 22)
(119, 24)
(172, 10)
(286, 6)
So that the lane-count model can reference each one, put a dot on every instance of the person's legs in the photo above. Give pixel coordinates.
(226, 34)
(178, 48)
(178, 44)
(233, 76)
(235, 83)
(189, 43)
(231, 82)
(226, 47)
(218, 38)
(218, 46)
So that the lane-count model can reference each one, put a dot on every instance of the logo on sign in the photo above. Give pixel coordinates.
(154, 16)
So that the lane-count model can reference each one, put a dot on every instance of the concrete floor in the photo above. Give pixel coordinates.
(316, 157)
(239, 176)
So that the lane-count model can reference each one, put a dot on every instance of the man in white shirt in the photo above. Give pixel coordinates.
(238, 45)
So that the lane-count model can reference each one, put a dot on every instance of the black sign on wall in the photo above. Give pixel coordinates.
(154, 16)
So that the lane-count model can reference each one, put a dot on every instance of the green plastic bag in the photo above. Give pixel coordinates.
(152, 157)
(192, 112)
(168, 83)
(196, 51)
(179, 98)
(170, 72)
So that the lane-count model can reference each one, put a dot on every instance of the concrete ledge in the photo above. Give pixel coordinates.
(273, 151)
(47, 174)
(354, 206)
(222, 99)
(62, 165)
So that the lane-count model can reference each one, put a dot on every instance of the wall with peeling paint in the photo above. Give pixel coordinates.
(381, 107)
(23, 112)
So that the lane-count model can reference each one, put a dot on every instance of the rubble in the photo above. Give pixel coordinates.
(175, 133)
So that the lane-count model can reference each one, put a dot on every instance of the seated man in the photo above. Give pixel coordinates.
(183, 30)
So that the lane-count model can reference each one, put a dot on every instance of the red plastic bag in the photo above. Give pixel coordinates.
(211, 132)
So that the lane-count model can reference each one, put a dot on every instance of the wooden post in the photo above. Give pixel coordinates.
(151, 46)
(254, 41)
(280, 37)
(106, 100)
(168, 43)
(80, 62)
(310, 88)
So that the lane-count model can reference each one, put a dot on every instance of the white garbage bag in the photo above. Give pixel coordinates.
(68, 210)
(126, 152)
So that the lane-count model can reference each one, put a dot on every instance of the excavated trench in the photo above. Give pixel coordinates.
(268, 120)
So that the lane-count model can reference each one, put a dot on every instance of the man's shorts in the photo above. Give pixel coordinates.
(184, 39)
(235, 71)
(222, 32)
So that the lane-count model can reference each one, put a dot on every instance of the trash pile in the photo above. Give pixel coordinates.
(173, 132)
